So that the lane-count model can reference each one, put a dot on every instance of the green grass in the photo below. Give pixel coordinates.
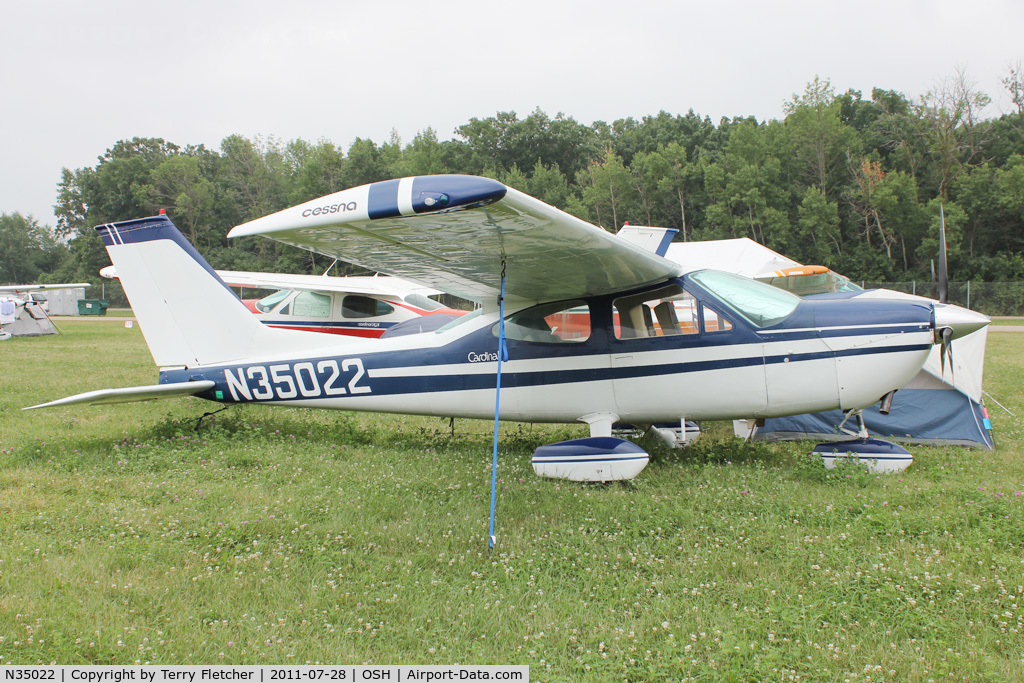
(288, 536)
(111, 313)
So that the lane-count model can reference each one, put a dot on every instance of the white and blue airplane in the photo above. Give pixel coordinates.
(597, 329)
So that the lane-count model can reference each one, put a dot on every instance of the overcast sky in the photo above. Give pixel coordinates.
(76, 77)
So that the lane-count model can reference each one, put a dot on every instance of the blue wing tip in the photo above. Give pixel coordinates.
(434, 194)
(440, 193)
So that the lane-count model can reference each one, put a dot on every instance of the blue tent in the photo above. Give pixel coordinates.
(922, 416)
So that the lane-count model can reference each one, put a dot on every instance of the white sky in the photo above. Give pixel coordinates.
(75, 77)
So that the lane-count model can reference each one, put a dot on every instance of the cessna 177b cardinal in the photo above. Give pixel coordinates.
(598, 330)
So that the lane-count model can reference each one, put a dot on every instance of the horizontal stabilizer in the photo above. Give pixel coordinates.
(131, 394)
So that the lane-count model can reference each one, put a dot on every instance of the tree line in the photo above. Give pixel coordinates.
(841, 180)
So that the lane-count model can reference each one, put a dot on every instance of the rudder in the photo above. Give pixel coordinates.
(187, 314)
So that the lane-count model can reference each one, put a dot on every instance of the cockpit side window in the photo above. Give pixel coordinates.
(312, 304)
(713, 322)
(554, 323)
(666, 312)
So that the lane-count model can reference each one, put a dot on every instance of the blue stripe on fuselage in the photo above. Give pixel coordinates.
(281, 381)
(330, 324)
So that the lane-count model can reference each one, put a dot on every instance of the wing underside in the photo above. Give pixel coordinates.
(324, 283)
(462, 247)
(19, 289)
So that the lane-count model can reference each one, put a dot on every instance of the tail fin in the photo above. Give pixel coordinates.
(188, 315)
(650, 238)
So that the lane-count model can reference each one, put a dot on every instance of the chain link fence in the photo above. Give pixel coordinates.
(990, 298)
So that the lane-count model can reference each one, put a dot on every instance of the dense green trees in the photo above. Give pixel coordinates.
(850, 182)
(27, 249)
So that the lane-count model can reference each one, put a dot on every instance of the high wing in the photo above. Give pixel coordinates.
(18, 289)
(354, 284)
(455, 232)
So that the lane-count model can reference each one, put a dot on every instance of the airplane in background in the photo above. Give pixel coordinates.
(28, 304)
(22, 294)
(358, 306)
(749, 351)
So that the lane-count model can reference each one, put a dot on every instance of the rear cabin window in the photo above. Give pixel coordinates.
(420, 301)
(556, 323)
(356, 306)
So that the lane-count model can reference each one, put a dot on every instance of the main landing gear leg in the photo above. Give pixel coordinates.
(600, 423)
(879, 455)
(862, 430)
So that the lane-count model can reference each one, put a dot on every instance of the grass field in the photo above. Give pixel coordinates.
(288, 536)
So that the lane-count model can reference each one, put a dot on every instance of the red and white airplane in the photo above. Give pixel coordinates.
(356, 306)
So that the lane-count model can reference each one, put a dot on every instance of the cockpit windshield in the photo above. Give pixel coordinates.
(420, 301)
(460, 320)
(819, 283)
(268, 302)
(761, 304)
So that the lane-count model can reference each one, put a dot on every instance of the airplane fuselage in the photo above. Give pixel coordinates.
(824, 355)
